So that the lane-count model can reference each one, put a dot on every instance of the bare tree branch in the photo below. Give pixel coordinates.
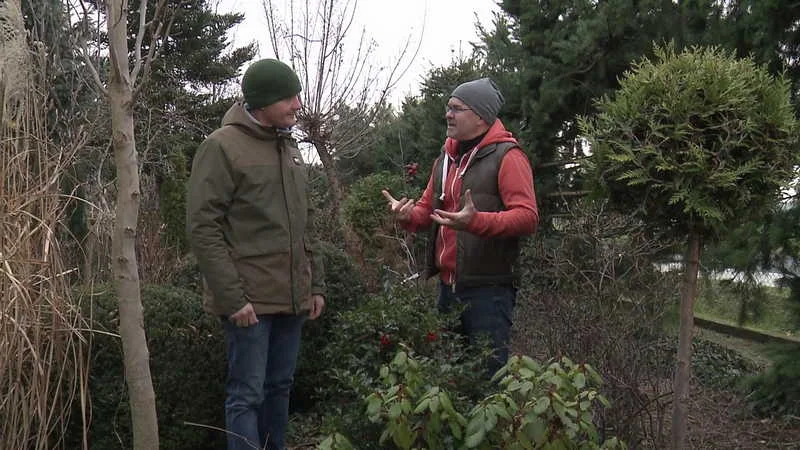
(155, 50)
(83, 16)
(137, 47)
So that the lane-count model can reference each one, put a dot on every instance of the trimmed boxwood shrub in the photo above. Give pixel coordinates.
(187, 362)
(345, 291)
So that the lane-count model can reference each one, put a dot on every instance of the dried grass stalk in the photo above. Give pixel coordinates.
(42, 351)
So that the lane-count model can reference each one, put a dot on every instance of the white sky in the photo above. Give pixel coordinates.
(449, 27)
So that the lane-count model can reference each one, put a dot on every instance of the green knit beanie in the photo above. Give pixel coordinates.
(267, 81)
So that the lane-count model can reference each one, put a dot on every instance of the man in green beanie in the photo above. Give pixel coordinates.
(248, 219)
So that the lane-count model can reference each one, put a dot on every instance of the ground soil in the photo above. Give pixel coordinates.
(719, 420)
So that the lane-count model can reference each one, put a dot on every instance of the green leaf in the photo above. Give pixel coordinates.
(422, 406)
(476, 439)
(502, 412)
(579, 381)
(536, 431)
(455, 429)
(434, 403)
(395, 410)
(384, 437)
(373, 406)
(446, 404)
(400, 359)
(541, 405)
(475, 423)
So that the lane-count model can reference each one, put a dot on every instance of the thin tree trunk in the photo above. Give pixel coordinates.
(124, 265)
(684, 368)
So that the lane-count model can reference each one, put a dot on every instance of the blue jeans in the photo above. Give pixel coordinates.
(487, 314)
(261, 363)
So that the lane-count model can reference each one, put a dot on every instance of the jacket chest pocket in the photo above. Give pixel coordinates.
(259, 185)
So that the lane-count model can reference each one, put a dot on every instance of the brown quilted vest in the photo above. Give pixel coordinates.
(479, 261)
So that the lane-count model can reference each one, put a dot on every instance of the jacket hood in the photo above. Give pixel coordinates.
(497, 133)
(238, 116)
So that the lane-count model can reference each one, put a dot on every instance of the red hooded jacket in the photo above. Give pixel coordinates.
(515, 183)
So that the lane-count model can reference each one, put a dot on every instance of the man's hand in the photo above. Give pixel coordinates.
(317, 305)
(244, 317)
(456, 220)
(401, 208)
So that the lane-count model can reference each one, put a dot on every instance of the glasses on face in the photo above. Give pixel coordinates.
(455, 109)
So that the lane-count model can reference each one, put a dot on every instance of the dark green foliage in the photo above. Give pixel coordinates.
(345, 291)
(187, 361)
(694, 140)
(718, 366)
(776, 392)
(356, 340)
(365, 208)
(554, 58)
(173, 201)
(532, 405)
(186, 95)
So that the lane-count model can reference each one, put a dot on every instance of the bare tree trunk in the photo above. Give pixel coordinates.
(684, 368)
(124, 265)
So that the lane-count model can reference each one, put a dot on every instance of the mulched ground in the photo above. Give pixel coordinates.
(718, 420)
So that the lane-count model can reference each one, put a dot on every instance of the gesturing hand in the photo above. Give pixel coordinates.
(401, 208)
(456, 220)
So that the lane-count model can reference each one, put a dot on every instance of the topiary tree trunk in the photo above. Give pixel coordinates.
(684, 366)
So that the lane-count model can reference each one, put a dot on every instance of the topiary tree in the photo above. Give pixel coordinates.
(693, 142)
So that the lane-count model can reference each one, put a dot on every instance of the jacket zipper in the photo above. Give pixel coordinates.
(453, 196)
(289, 218)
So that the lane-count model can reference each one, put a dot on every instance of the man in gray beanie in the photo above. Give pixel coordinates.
(478, 203)
(249, 227)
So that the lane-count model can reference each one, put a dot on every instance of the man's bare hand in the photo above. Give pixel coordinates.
(456, 220)
(317, 305)
(400, 208)
(244, 317)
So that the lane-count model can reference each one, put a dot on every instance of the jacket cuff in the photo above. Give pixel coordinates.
(228, 309)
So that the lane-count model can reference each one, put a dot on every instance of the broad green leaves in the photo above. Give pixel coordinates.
(536, 407)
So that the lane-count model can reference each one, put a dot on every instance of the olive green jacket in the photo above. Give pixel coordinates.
(249, 220)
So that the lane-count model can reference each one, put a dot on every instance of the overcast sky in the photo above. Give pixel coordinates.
(449, 26)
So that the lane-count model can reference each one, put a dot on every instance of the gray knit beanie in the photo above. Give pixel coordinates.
(482, 96)
(267, 81)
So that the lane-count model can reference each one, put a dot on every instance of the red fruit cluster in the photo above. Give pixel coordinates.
(385, 341)
(431, 336)
(411, 169)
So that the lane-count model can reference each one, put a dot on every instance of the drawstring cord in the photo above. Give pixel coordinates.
(445, 162)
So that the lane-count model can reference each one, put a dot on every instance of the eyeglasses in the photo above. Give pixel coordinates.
(455, 109)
